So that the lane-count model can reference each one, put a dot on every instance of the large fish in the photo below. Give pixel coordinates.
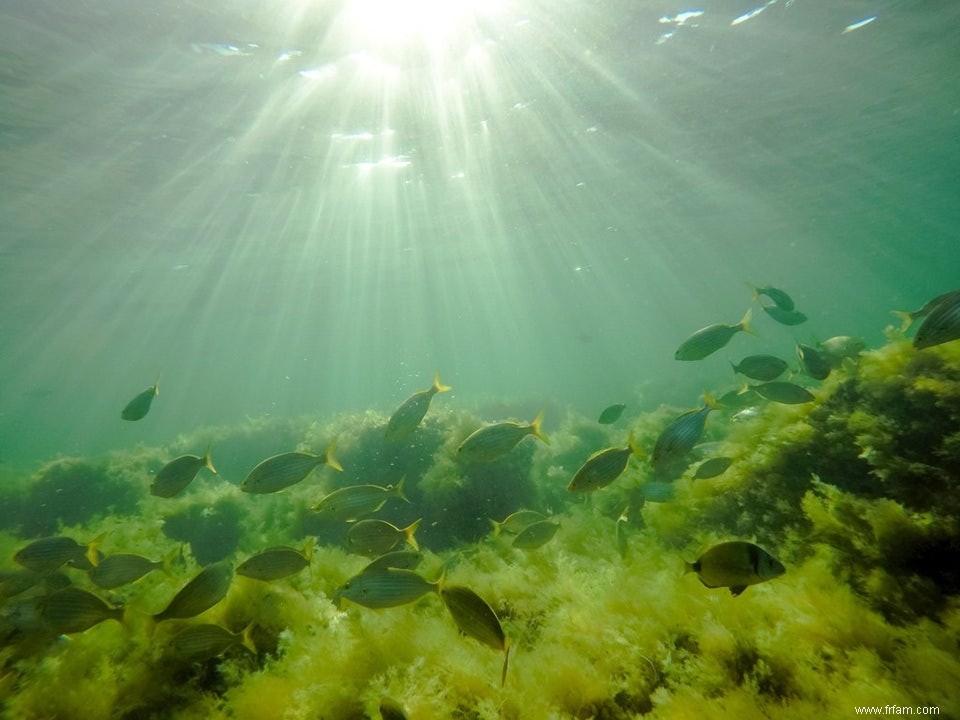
(708, 340)
(735, 565)
(492, 442)
(281, 471)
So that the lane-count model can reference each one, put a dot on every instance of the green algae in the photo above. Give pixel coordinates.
(857, 493)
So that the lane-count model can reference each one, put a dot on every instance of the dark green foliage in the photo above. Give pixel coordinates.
(71, 492)
(213, 533)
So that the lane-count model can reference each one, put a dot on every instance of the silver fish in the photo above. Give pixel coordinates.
(204, 591)
(72, 610)
(50, 553)
(536, 535)
(679, 437)
(385, 587)
(276, 563)
(352, 503)
(492, 442)
(603, 467)
(708, 340)
(409, 415)
(122, 568)
(178, 473)
(281, 471)
(376, 537)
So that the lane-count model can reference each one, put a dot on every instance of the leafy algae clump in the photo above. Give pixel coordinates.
(856, 493)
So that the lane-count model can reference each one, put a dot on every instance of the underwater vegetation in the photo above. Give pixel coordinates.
(832, 521)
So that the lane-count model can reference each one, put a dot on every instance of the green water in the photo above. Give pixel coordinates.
(286, 209)
(293, 214)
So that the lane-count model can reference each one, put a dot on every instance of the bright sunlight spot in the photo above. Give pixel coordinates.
(401, 24)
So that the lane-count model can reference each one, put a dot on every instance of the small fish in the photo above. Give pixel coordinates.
(204, 591)
(536, 535)
(491, 442)
(712, 468)
(475, 618)
(708, 340)
(783, 392)
(48, 554)
(679, 437)
(281, 471)
(603, 467)
(779, 297)
(611, 414)
(399, 559)
(942, 325)
(735, 565)
(813, 363)
(760, 367)
(117, 570)
(739, 398)
(376, 537)
(386, 587)
(909, 317)
(138, 408)
(836, 349)
(202, 641)
(352, 503)
(72, 610)
(516, 522)
(408, 416)
(784, 317)
(178, 473)
(276, 562)
(750, 413)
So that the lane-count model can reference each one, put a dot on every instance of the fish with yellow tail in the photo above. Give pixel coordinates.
(376, 537)
(474, 617)
(138, 408)
(178, 473)
(735, 565)
(281, 471)
(492, 442)
(708, 340)
(411, 412)
(680, 436)
(603, 467)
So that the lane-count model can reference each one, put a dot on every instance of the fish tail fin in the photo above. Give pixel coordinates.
(246, 638)
(439, 387)
(91, 552)
(709, 400)
(535, 428)
(410, 533)
(308, 548)
(634, 447)
(166, 563)
(906, 319)
(496, 527)
(208, 461)
(745, 322)
(156, 384)
(754, 291)
(689, 567)
(506, 661)
(734, 367)
(398, 489)
(328, 456)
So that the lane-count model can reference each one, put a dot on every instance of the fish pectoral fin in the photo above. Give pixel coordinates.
(737, 589)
